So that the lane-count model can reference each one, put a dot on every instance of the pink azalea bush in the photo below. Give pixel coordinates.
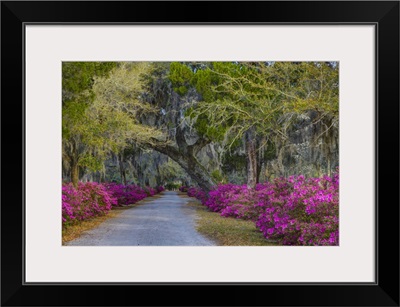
(198, 193)
(289, 211)
(299, 211)
(234, 200)
(230, 200)
(86, 201)
(92, 199)
(159, 189)
(150, 191)
(126, 194)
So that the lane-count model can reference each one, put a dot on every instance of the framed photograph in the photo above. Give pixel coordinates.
(196, 147)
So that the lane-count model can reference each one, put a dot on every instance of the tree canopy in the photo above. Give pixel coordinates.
(201, 115)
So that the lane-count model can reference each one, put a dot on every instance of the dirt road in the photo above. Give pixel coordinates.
(158, 221)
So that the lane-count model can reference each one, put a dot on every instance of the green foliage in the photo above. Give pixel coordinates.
(77, 96)
(78, 78)
(119, 105)
(91, 162)
(233, 162)
(319, 88)
(238, 96)
(172, 186)
(218, 176)
(180, 76)
(204, 80)
(202, 125)
(232, 100)
(73, 114)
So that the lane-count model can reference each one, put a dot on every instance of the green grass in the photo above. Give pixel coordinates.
(227, 231)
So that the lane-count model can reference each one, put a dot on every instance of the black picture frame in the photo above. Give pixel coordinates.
(383, 14)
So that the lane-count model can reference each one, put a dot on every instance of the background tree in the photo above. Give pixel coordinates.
(313, 110)
(77, 96)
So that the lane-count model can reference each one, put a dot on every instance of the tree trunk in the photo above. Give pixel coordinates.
(197, 172)
(259, 168)
(73, 159)
(329, 165)
(122, 170)
(74, 172)
(189, 163)
(260, 158)
(251, 159)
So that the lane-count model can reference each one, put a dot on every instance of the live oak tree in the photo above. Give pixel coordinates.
(124, 97)
(239, 104)
(79, 132)
(313, 89)
(247, 100)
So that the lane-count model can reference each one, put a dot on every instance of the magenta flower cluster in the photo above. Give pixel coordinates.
(86, 201)
(198, 193)
(159, 189)
(232, 200)
(127, 194)
(92, 199)
(288, 211)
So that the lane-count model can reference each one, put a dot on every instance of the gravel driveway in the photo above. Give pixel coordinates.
(158, 221)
